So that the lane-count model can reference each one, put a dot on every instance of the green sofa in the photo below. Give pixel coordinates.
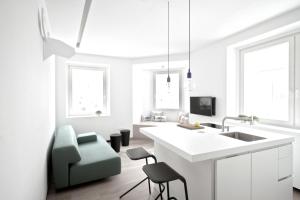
(81, 159)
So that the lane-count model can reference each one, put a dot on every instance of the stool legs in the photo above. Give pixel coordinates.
(149, 186)
(168, 192)
(173, 198)
(185, 190)
(133, 187)
(160, 191)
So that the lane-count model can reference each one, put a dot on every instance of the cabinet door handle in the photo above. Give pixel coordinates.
(284, 178)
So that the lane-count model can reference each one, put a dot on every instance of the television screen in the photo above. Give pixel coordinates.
(202, 105)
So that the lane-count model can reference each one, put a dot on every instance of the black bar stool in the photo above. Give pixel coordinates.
(125, 136)
(115, 140)
(137, 154)
(162, 173)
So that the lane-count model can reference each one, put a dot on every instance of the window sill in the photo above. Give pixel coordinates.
(167, 109)
(86, 116)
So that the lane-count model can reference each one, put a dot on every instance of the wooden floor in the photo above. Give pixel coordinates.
(111, 188)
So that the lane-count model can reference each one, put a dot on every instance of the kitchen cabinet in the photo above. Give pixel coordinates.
(265, 174)
(285, 161)
(233, 178)
(285, 189)
(262, 175)
(296, 161)
(285, 172)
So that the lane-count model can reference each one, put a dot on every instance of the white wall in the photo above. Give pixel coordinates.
(146, 91)
(120, 96)
(209, 63)
(208, 76)
(27, 101)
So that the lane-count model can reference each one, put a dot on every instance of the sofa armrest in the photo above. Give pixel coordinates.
(61, 160)
(64, 153)
(86, 137)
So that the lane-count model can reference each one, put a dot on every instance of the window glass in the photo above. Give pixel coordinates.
(266, 82)
(86, 92)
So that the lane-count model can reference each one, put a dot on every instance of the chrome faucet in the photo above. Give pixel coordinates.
(243, 118)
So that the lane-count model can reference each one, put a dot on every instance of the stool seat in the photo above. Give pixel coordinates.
(116, 135)
(161, 173)
(138, 153)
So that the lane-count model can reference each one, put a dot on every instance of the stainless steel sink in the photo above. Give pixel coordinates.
(212, 125)
(243, 136)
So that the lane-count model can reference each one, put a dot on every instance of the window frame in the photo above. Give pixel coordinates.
(263, 45)
(297, 81)
(180, 89)
(106, 95)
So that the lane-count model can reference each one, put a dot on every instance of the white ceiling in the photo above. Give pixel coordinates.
(138, 28)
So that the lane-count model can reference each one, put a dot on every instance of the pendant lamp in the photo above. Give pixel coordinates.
(168, 78)
(189, 74)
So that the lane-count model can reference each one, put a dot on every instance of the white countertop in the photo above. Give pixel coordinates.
(151, 123)
(205, 144)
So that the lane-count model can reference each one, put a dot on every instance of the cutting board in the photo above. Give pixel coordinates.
(190, 126)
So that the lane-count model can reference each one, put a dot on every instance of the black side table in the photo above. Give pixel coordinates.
(125, 137)
(115, 140)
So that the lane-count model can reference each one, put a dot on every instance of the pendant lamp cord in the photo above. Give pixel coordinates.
(168, 79)
(189, 74)
(189, 35)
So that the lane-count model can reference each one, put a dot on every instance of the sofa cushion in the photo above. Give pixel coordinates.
(98, 160)
(86, 137)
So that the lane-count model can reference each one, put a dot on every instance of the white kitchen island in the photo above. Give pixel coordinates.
(217, 167)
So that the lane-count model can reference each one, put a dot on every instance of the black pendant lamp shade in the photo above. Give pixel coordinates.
(168, 79)
(189, 74)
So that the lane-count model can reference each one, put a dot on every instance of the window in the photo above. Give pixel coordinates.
(167, 97)
(267, 81)
(88, 90)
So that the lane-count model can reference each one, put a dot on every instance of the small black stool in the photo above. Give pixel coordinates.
(162, 173)
(137, 154)
(115, 140)
(125, 137)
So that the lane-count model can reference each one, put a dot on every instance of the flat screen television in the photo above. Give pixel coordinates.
(203, 105)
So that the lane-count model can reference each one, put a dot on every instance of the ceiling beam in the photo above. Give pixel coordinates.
(85, 13)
